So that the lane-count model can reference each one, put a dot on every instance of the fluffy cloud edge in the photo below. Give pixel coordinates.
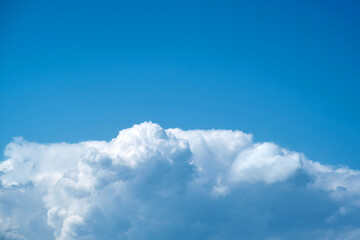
(144, 166)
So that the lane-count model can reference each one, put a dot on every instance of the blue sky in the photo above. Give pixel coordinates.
(286, 74)
(285, 71)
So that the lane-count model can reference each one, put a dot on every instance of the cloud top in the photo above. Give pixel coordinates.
(155, 183)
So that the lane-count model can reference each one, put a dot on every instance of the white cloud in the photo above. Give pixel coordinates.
(151, 183)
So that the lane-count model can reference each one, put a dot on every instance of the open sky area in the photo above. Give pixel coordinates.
(286, 72)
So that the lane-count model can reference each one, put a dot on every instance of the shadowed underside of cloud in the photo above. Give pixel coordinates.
(152, 183)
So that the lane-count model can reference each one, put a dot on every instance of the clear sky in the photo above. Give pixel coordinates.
(285, 71)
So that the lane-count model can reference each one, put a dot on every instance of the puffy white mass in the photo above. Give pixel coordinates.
(152, 183)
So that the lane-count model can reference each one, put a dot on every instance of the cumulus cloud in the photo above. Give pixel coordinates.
(155, 183)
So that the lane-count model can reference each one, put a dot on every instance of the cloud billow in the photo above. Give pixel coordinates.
(154, 183)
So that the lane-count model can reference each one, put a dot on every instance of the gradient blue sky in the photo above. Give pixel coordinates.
(284, 71)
